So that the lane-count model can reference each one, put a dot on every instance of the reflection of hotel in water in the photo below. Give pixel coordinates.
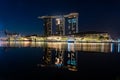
(64, 55)
(59, 57)
(71, 57)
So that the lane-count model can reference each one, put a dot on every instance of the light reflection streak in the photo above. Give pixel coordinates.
(118, 47)
(90, 47)
(102, 47)
(71, 47)
(112, 47)
(93, 47)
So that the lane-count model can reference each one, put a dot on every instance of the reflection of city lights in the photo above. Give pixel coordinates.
(0, 43)
(72, 68)
(71, 47)
(102, 47)
(26, 43)
(58, 62)
(57, 45)
(118, 47)
(94, 47)
(112, 47)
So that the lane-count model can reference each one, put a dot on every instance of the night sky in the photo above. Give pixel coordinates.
(94, 15)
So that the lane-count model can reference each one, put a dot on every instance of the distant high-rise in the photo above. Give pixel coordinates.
(47, 23)
(72, 23)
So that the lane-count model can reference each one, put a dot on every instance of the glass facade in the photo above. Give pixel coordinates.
(48, 26)
(72, 23)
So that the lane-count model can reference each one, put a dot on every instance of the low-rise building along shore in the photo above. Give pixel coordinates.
(90, 36)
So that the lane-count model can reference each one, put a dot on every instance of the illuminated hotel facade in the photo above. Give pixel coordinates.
(65, 24)
(60, 26)
(60, 58)
(47, 20)
(72, 23)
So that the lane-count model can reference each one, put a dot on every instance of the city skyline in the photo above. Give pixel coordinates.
(21, 15)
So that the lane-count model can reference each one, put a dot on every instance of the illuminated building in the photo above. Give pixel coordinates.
(47, 25)
(93, 36)
(72, 23)
(60, 26)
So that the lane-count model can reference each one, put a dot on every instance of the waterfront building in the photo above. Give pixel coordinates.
(72, 23)
(47, 23)
(60, 26)
(93, 36)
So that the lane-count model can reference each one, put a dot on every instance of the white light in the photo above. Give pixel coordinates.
(118, 47)
(112, 47)
(58, 21)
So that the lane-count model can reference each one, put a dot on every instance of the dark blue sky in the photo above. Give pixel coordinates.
(21, 15)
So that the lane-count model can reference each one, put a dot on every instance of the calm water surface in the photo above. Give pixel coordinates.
(59, 60)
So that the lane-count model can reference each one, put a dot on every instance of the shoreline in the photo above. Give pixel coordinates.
(62, 41)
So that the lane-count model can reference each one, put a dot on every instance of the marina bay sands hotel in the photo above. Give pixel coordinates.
(60, 25)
